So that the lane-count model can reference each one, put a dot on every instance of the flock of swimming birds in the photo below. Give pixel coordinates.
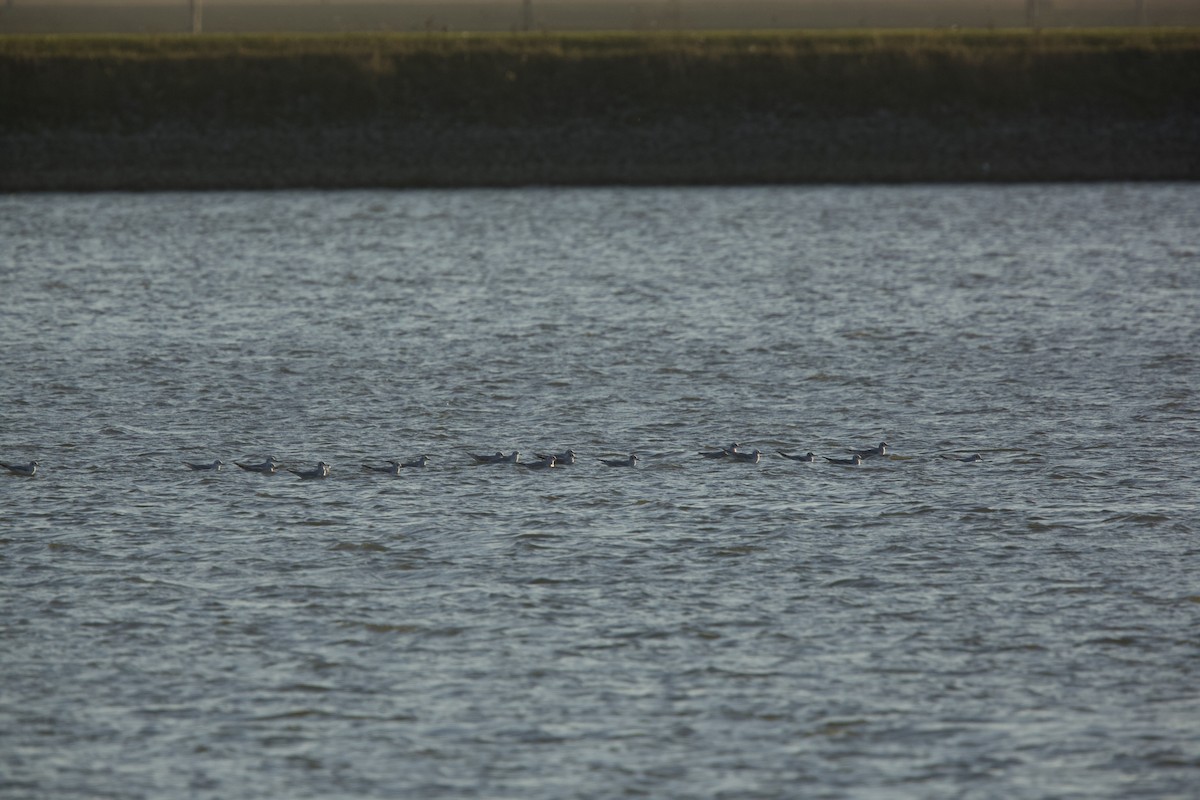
(733, 452)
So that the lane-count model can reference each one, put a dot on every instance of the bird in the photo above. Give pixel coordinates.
(809, 457)
(563, 459)
(853, 460)
(882, 450)
(417, 463)
(724, 452)
(965, 459)
(214, 466)
(268, 467)
(24, 470)
(319, 471)
(749, 458)
(621, 462)
(392, 468)
(498, 458)
(543, 462)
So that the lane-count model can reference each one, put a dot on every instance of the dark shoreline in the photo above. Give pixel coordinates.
(183, 113)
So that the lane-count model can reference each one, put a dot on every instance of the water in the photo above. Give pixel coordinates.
(1024, 627)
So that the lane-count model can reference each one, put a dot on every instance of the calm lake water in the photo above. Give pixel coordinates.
(1023, 627)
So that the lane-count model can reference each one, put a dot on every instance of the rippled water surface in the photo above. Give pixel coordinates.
(1022, 627)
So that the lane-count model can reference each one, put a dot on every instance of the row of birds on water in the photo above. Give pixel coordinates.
(733, 452)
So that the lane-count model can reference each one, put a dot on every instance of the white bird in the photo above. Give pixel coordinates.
(268, 467)
(319, 471)
(214, 466)
(809, 457)
(621, 462)
(724, 452)
(965, 459)
(853, 460)
(563, 459)
(392, 468)
(498, 458)
(25, 470)
(749, 458)
(417, 463)
(882, 450)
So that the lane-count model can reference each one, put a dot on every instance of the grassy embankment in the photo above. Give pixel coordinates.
(229, 110)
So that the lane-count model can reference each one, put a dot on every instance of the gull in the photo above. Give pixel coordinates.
(498, 458)
(564, 459)
(882, 450)
(417, 463)
(214, 466)
(722, 453)
(749, 458)
(545, 462)
(622, 462)
(809, 457)
(965, 459)
(268, 467)
(319, 471)
(392, 468)
(853, 460)
(26, 470)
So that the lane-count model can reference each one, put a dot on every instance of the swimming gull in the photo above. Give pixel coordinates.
(392, 468)
(214, 466)
(621, 462)
(417, 463)
(544, 462)
(563, 459)
(965, 459)
(319, 471)
(498, 458)
(268, 467)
